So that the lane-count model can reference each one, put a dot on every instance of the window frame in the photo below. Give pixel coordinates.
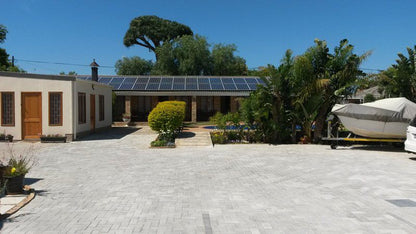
(101, 108)
(61, 109)
(13, 109)
(82, 113)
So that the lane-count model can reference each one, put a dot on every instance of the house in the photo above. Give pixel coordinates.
(34, 105)
(204, 95)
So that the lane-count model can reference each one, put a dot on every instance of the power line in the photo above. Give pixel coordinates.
(85, 65)
(59, 63)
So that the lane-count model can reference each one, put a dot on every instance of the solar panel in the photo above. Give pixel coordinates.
(105, 80)
(251, 81)
(140, 86)
(252, 86)
(260, 81)
(227, 81)
(216, 84)
(116, 82)
(239, 80)
(142, 80)
(204, 86)
(242, 86)
(128, 83)
(166, 83)
(229, 86)
(152, 86)
(191, 84)
(178, 84)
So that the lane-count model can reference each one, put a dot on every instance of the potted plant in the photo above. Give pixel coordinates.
(9, 138)
(126, 117)
(18, 166)
(52, 138)
(4, 137)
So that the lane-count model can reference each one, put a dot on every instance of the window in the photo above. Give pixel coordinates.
(82, 108)
(7, 109)
(55, 109)
(101, 107)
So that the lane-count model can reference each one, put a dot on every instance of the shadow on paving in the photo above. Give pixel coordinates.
(186, 135)
(30, 181)
(386, 148)
(113, 133)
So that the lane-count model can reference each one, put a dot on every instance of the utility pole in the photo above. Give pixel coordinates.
(12, 61)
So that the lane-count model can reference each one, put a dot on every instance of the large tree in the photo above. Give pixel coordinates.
(152, 32)
(186, 55)
(225, 63)
(133, 66)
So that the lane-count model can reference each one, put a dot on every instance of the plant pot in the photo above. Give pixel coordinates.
(126, 120)
(14, 184)
(10, 138)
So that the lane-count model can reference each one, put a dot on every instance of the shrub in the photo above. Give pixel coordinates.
(218, 137)
(158, 143)
(167, 118)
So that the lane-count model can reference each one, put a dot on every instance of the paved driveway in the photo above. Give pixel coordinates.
(118, 184)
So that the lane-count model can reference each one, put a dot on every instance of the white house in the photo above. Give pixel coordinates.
(34, 105)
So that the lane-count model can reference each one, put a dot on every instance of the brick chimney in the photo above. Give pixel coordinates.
(94, 70)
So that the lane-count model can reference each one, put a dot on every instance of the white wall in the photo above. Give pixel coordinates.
(44, 86)
(89, 87)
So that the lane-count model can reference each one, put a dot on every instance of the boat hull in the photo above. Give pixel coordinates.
(374, 129)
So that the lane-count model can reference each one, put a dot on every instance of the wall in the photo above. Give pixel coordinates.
(89, 87)
(44, 86)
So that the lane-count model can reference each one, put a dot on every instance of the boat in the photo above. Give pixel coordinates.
(385, 118)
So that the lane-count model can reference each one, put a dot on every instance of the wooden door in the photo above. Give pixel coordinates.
(92, 112)
(31, 115)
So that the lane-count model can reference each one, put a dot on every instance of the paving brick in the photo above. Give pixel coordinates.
(120, 185)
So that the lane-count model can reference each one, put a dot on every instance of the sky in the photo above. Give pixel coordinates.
(78, 31)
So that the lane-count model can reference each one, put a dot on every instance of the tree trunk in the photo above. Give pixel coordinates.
(320, 121)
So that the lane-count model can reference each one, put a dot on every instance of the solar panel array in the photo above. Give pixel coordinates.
(180, 83)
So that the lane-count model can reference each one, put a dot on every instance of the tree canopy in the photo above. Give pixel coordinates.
(133, 66)
(3, 32)
(151, 32)
(225, 63)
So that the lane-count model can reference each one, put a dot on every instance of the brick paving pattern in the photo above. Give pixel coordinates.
(120, 185)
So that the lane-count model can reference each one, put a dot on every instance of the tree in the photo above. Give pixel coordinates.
(266, 107)
(152, 32)
(329, 74)
(3, 33)
(70, 73)
(225, 63)
(187, 55)
(133, 66)
(5, 65)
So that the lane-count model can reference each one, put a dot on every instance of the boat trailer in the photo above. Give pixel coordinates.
(335, 140)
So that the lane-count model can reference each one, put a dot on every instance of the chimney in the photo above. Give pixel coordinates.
(94, 70)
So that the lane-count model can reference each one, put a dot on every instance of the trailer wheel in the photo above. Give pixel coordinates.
(333, 146)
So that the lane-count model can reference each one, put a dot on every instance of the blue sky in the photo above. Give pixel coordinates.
(78, 31)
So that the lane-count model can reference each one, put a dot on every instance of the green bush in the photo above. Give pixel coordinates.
(159, 143)
(219, 138)
(167, 118)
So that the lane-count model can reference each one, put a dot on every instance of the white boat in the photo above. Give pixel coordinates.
(386, 118)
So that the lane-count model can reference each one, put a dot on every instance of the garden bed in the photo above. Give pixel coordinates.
(60, 139)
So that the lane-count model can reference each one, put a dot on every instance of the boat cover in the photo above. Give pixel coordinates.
(386, 110)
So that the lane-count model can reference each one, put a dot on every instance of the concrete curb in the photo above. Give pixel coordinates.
(19, 205)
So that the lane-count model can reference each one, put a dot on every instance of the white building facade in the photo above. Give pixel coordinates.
(33, 105)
